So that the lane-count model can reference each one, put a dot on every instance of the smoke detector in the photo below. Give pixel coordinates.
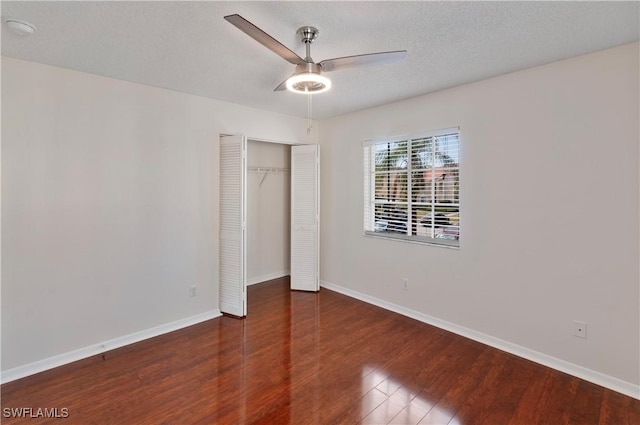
(19, 27)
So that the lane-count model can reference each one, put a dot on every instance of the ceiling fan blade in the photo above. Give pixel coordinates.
(265, 39)
(359, 60)
(283, 85)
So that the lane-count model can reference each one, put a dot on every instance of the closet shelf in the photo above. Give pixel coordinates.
(269, 170)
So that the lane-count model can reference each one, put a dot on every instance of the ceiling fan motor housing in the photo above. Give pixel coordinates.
(308, 84)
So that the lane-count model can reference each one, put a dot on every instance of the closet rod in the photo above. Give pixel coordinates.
(269, 170)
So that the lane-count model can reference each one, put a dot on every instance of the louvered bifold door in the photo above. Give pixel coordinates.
(305, 207)
(232, 267)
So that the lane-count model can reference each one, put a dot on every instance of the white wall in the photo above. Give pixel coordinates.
(549, 211)
(268, 212)
(109, 205)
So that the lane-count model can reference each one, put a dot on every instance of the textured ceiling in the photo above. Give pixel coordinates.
(189, 47)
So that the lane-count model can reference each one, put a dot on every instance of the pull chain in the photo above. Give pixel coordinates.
(308, 114)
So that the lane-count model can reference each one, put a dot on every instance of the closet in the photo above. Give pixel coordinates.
(269, 217)
(268, 211)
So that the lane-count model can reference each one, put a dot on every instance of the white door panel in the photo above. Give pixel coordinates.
(305, 207)
(232, 265)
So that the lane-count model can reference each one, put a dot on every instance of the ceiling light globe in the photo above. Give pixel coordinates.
(308, 83)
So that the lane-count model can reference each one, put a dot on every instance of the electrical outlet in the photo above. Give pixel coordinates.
(405, 284)
(193, 291)
(579, 329)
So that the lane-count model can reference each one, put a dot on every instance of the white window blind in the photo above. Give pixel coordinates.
(412, 188)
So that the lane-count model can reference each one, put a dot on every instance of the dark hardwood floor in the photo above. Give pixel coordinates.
(304, 358)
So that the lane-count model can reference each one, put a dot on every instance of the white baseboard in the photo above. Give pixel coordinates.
(598, 378)
(265, 277)
(82, 353)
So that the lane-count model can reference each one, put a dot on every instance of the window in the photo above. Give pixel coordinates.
(412, 188)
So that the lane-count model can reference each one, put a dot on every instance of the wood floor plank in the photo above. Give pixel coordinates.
(587, 404)
(314, 358)
(555, 406)
(460, 384)
(476, 405)
(528, 410)
(519, 373)
(413, 412)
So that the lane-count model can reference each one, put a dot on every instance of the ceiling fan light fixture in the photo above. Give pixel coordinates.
(308, 83)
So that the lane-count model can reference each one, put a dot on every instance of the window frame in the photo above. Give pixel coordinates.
(369, 189)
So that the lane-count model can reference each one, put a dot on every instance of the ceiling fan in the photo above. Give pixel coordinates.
(308, 78)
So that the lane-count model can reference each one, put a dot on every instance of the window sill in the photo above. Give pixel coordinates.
(441, 243)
